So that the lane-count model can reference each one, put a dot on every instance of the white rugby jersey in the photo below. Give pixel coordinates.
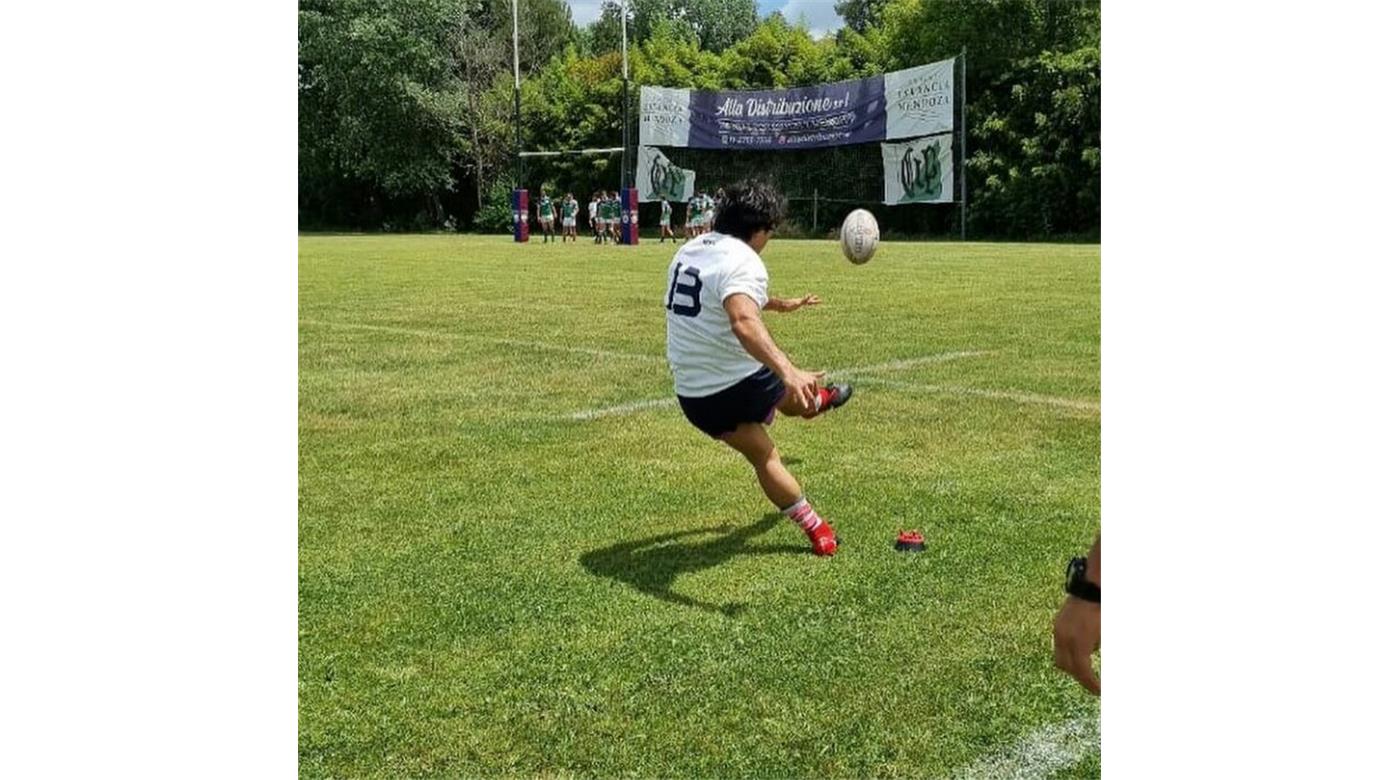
(705, 355)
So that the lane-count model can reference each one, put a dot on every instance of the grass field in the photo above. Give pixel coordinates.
(512, 563)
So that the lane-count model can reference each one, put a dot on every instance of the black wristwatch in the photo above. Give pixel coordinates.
(1076, 584)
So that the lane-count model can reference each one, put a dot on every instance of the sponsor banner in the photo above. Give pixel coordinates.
(919, 171)
(665, 119)
(919, 101)
(851, 112)
(657, 179)
(913, 102)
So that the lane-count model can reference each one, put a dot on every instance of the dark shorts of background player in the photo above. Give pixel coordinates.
(752, 399)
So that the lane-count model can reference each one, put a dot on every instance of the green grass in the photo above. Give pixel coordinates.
(488, 587)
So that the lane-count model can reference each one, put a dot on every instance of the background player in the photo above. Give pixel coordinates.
(568, 217)
(692, 217)
(546, 215)
(616, 217)
(730, 376)
(594, 217)
(666, 231)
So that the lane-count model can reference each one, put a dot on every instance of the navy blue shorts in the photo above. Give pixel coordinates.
(752, 399)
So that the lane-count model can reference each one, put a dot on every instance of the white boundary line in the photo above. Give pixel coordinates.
(893, 365)
(1004, 395)
(635, 406)
(540, 345)
(1039, 754)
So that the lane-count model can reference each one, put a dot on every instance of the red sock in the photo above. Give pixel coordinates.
(824, 396)
(804, 515)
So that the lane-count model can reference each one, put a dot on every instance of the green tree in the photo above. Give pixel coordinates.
(378, 104)
(397, 105)
(996, 33)
(715, 24)
(779, 54)
(1035, 164)
(860, 15)
(546, 28)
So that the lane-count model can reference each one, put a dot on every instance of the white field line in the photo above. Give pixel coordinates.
(897, 365)
(1039, 754)
(635, 406)
(656, 403)
(540, 345)
(1004, 395)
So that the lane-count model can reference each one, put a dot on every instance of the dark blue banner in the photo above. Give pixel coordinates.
(851, 112)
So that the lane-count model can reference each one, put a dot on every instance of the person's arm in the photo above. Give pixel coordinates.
(748, 327)
(791, 304)
(1077, 630)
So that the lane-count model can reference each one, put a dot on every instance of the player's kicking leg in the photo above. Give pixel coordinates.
(752, 441)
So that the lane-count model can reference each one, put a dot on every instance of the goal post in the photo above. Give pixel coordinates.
(558, 172)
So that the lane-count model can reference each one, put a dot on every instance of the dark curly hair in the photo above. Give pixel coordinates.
(747, 207)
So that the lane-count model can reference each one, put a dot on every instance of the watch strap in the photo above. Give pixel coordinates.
(1077, 585)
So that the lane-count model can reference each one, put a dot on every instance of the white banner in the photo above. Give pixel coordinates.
(919, 170)
(657, 179)
(919, 101)
(665, 119)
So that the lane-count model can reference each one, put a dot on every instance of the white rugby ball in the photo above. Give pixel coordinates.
(860, 234)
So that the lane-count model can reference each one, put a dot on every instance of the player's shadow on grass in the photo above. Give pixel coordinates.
(652, 565)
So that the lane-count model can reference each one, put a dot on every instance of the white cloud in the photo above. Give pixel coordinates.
(821, 15)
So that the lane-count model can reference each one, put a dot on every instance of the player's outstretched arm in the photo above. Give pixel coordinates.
(748, 327)
(791, 304)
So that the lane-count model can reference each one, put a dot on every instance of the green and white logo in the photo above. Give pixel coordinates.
(667, 181)
(921, 173)
(919, 170)
(660, 179)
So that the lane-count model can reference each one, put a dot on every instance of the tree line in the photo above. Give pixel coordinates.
(406, 106)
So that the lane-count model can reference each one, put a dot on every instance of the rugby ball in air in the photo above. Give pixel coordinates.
(860, 234)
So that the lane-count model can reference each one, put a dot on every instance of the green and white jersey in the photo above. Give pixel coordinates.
(546, 207)
(569, 208)
(666, 210)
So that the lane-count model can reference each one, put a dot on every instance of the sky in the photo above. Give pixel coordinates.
(821, 14)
